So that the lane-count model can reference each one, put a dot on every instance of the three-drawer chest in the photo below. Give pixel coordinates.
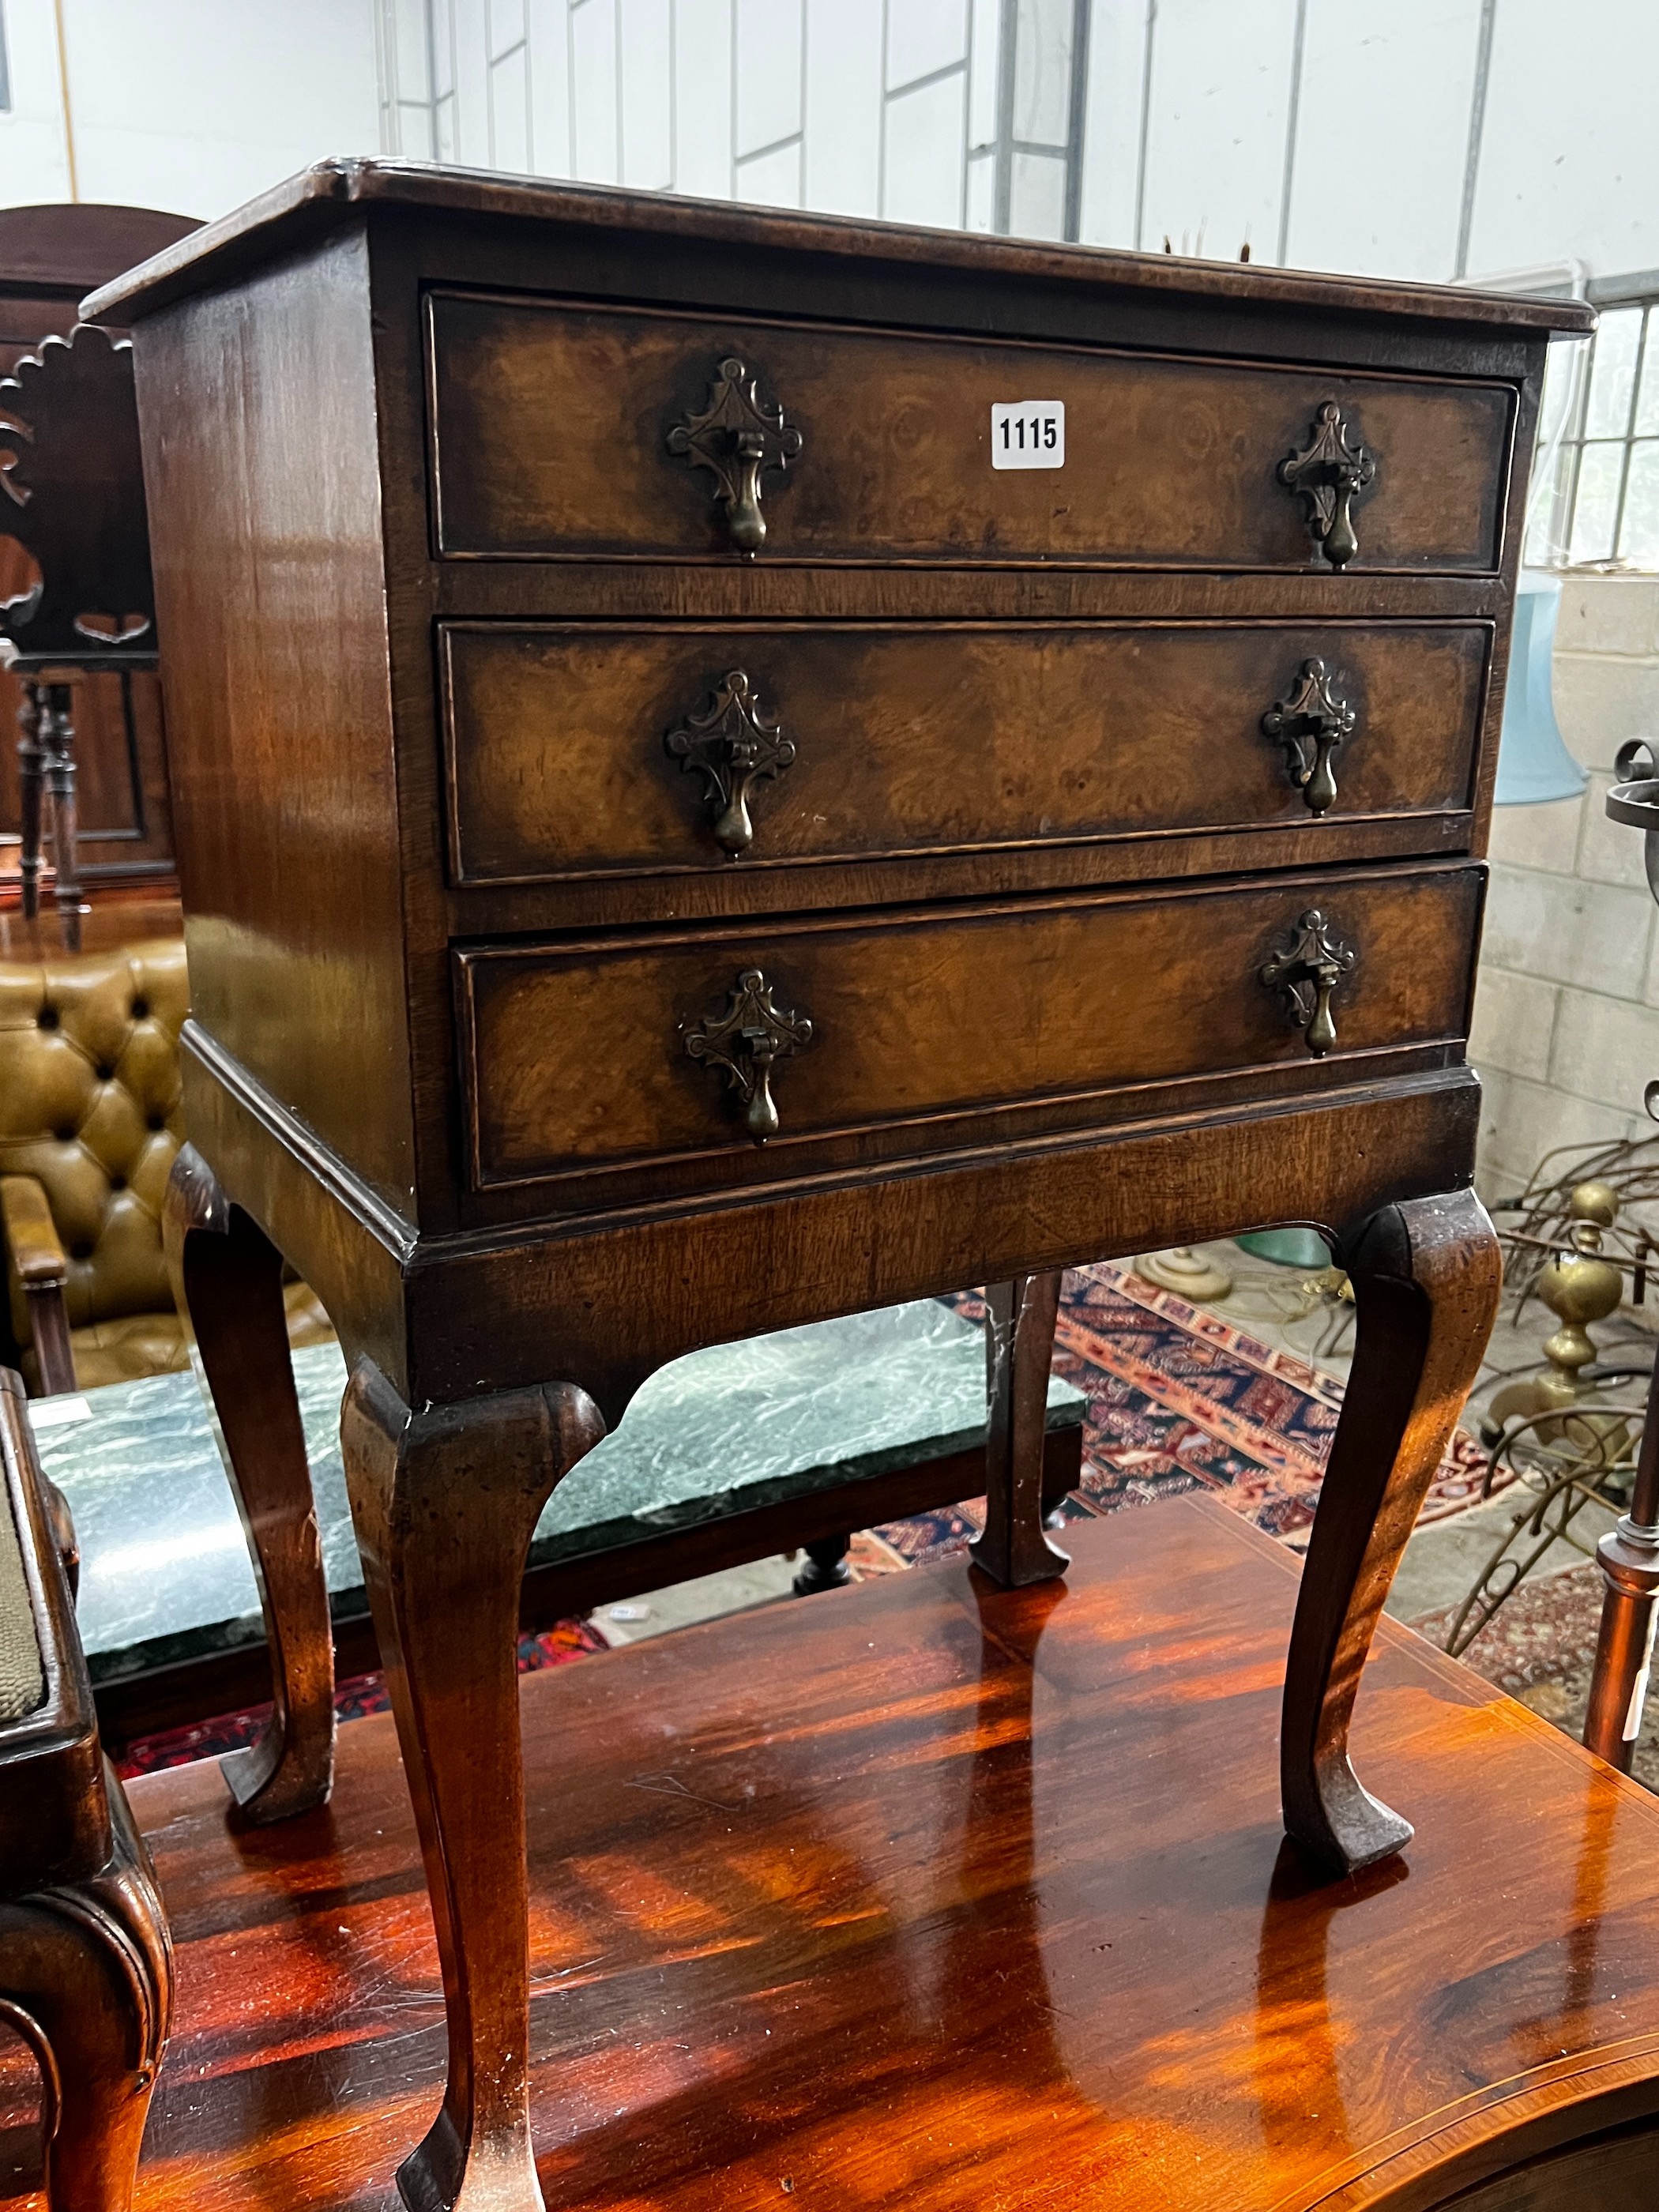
(731, 766)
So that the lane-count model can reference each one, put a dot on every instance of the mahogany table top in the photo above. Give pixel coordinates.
(882, 1900)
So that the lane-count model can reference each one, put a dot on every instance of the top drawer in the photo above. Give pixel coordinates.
(554, 430)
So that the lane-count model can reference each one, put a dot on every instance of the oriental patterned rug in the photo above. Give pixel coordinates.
(1178, 1400)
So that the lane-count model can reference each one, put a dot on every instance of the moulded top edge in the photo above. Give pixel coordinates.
(322, 196)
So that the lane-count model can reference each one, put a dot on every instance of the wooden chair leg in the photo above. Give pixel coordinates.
(1019, 1348)
(445, 1504)
(824, 1565)
(227, 1282)
(49, 1335)
(65, 816)
(33, 731)
(86, 1976)
(1426, 1275)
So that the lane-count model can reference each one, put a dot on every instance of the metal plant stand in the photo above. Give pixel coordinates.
(1564, 1462)
(1629, 1554)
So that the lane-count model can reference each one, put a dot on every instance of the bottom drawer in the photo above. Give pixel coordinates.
(874, 1034)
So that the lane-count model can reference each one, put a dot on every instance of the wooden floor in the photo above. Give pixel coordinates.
(920, 1896)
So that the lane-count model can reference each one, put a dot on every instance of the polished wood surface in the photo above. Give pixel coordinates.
(913, 739)
(1097, 997)
(933, 1895)
(284, 810)
(317, 200)
(422, 399)
(549, 421)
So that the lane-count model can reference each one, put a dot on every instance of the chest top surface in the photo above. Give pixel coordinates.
(322, 198)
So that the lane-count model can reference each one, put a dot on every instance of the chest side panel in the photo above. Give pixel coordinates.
(262, 471)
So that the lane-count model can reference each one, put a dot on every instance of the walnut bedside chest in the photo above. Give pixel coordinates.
(731, 767)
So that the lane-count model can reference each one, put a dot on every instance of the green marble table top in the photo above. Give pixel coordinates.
(165, 1571)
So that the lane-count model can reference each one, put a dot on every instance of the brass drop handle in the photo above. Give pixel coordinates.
(1305, 971)
(744, 518)
(732, 745)
(746, 1040)
(737, 435)
(1310, 722)
(1329, 473)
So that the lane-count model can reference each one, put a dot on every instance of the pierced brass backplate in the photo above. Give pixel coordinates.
(737, 435)
(1329, 473)
(1305, 971)
(747, 1040)
(1310, 722)
(732, 745)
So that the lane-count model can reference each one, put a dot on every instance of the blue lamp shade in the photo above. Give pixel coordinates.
(1533, 763)
(1291, 1248)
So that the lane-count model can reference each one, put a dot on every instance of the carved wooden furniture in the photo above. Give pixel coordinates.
(115, 775)
(89, 1129)
(945, 1895)
(70, 467)
(85, 1965)
(705, 803)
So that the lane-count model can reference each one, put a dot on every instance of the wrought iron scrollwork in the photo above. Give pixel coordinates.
(746, 1041)
(737, 435)
(1306, 971)
(1330, 474)
(732, 745)
(1310, 722)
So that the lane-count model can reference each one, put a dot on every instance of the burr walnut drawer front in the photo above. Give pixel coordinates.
(917, 1029)
(578, 751)
(562, 430)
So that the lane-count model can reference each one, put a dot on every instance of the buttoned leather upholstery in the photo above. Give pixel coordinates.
(90, 1107)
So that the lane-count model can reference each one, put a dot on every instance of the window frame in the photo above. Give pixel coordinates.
(1551, 534)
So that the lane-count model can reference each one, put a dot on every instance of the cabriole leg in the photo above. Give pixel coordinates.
(445, 1503)
(1426, 1275)
(228, 1283)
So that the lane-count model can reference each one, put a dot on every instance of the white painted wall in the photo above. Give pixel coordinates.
(1385, 137)
(1571, 160)
(189, 105)
(1566, 1020)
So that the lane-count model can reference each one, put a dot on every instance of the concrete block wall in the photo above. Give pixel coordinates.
(1566, 1017)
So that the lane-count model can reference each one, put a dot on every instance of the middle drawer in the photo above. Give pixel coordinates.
(576, 750)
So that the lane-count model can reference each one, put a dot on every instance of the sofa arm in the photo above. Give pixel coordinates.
(41, 1264)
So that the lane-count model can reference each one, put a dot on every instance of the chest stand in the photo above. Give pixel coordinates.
(445, 1502)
